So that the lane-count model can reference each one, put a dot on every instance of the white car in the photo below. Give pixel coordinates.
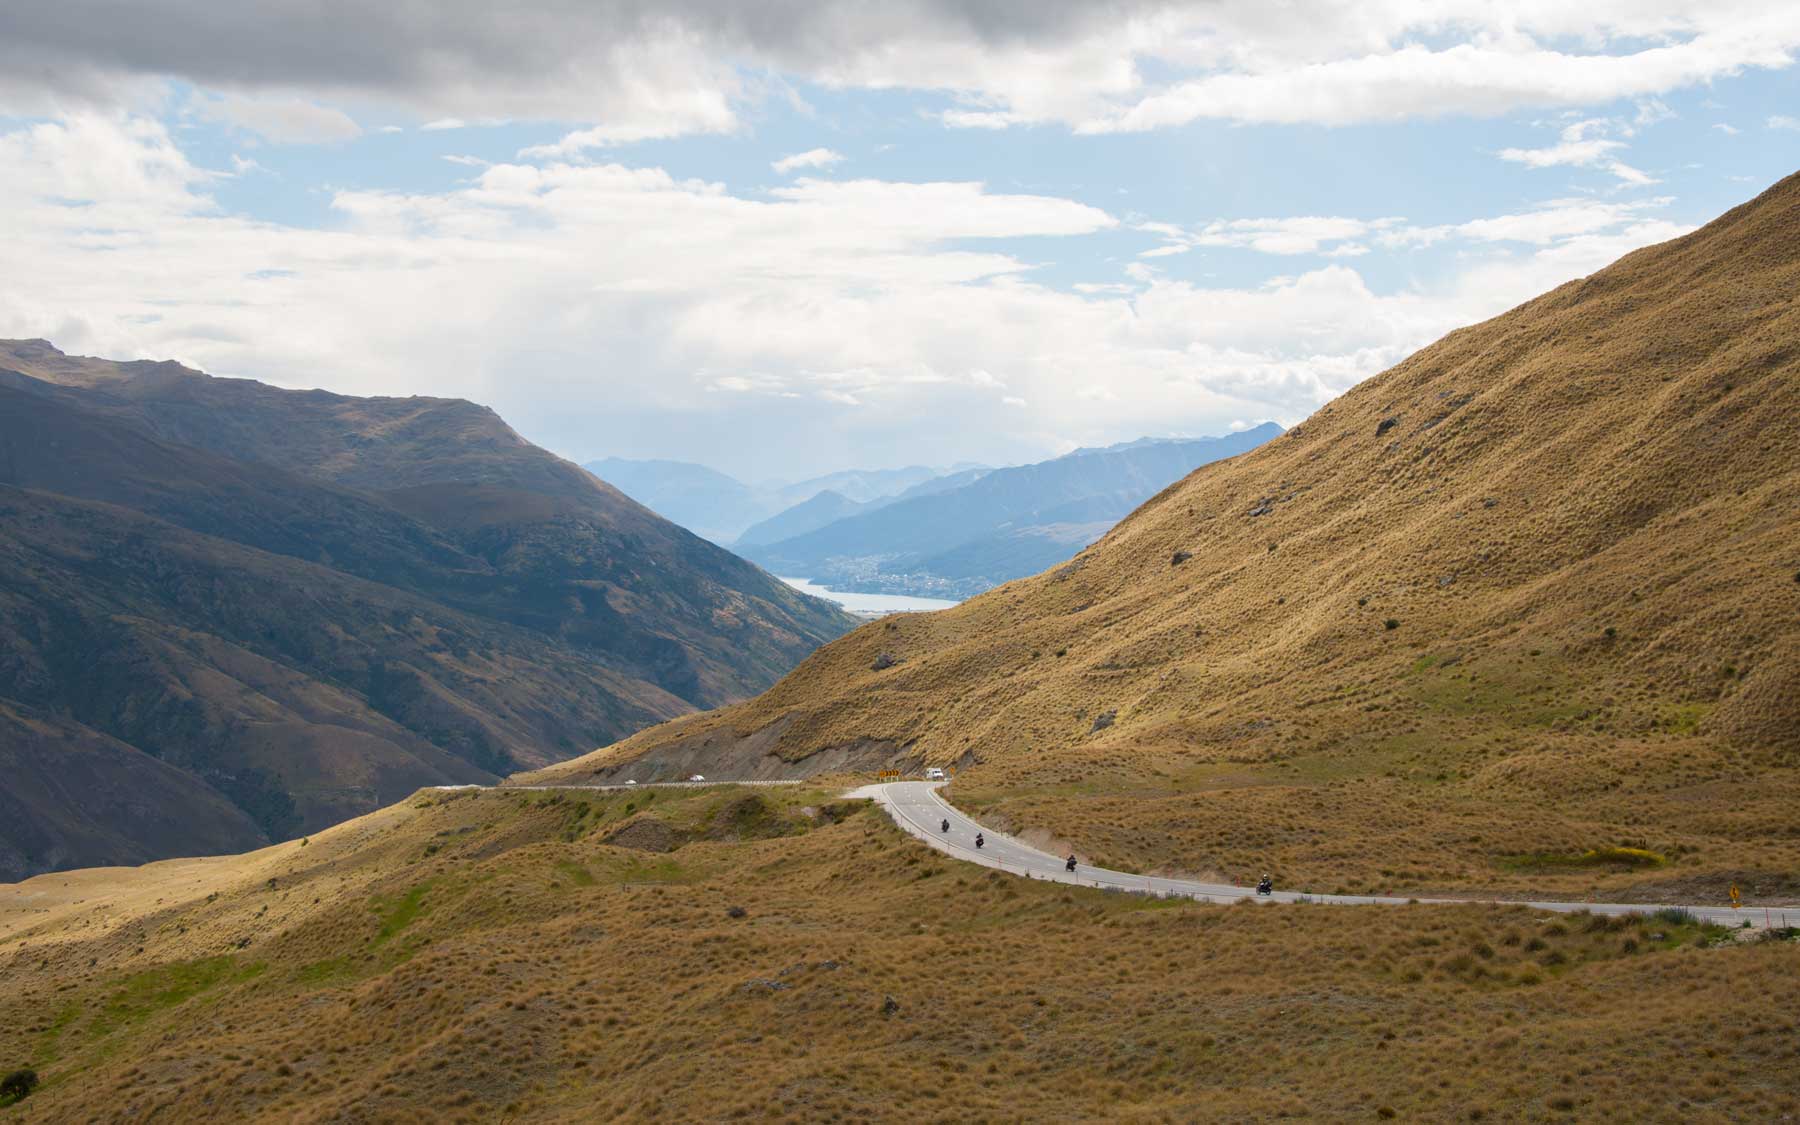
(933, 773)
(697, 777)
(631, 781)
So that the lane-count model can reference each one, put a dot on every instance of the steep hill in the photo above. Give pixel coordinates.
(1528, 595)
(310, 605)
(994, 527)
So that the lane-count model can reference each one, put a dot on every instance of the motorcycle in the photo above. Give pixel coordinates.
(979, 840)
(1266, 886)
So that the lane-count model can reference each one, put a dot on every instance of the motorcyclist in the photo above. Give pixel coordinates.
(946, 825)
(979, 839)
(1071, 864)
(1266, 885)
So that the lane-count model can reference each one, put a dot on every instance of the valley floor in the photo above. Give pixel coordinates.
(779, 953)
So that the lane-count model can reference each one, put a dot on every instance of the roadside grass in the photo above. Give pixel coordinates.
(818, 975)
(1608, 856)
(1434, 810)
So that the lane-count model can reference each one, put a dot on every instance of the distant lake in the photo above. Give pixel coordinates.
(870, 603)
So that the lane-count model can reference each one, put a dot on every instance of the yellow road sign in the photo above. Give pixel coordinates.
(1736, 898)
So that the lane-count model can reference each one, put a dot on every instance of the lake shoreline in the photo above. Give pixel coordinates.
(869, 605)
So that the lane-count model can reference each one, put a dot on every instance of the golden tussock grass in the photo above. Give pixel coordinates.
(1534, 590)
(490, 956)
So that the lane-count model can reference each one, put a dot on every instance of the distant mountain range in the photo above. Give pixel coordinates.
(231, 613)
(721, 508)
(961, 534)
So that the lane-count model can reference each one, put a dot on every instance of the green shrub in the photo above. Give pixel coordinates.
(18, 1085)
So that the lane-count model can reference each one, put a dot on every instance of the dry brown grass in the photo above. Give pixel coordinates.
(1581, 522)
(484, 956)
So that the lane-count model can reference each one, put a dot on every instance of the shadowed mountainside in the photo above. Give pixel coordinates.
(312, 604)
(1533, 592)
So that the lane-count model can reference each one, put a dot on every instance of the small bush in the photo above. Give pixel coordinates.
(18, 1086)
(1391, 623)
(1629, 857)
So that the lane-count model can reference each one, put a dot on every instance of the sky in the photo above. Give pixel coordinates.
(797, 236)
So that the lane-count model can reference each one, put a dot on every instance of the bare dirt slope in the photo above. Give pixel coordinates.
(1532, 593)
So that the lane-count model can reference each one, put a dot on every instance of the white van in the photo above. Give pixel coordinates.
(932, 773)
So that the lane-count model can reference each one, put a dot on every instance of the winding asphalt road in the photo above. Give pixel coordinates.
(917, 808)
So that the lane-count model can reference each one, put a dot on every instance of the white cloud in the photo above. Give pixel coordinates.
(1651, 111)
(283, 120)
(635, 69)
(811, 158)
(466, 161)
(1584, 144)
(1780, 122)
(1307, 234)
(1728, 130)
(701, 111)
(1362, 63)
(590, 303)
(443, 123)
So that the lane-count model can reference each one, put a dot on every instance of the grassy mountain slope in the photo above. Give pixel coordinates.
(568, 553)
(96, 796)
(306, 647)
(302, 694)
(537, 957)
(1531, 593)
